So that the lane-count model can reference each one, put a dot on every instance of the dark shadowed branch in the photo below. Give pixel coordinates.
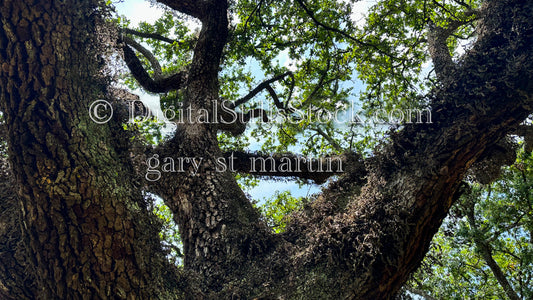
(195, 8)
(291, 165)
(413, 181)
(526, 131)
(154, 36)
(156, 67)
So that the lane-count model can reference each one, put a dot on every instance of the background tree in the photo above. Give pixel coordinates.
(484, 248)
(85, 217)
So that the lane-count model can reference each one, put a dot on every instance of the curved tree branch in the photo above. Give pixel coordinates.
(156, 67)
(489, 165)
(162, 85)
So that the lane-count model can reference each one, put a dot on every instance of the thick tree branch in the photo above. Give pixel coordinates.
(290, 165)
(385, 230)
(17, 281)
(122, 94)
(503, 153)
(438, 47)
(219, 227)
(489, 165)
(205, 65)
(194, 8)
(126, 107)
(162, 85)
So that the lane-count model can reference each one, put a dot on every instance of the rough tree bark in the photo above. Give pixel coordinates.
(15, 275)
(83, 219)
(86, 226)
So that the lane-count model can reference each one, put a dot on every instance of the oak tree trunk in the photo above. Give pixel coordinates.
(84, 221)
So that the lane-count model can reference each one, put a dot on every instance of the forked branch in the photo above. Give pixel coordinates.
(438, 46)
(264, 85)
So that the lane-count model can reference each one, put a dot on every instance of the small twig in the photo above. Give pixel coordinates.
(328, 138)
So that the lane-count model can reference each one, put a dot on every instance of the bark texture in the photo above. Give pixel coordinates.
(17, 281)
(82, 217)
(219, 227)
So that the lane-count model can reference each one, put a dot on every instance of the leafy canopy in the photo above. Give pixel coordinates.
(339, 63)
